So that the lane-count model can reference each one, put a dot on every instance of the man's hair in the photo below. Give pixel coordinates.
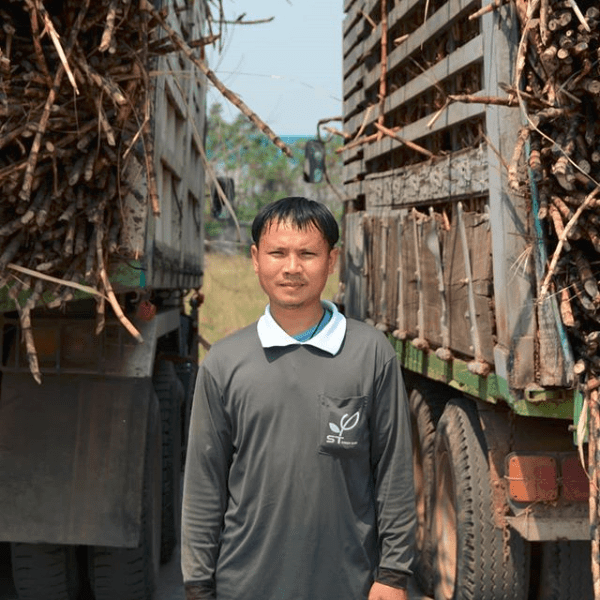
(301, 213)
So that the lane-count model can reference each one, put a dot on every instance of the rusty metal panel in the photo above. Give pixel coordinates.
(71, 459)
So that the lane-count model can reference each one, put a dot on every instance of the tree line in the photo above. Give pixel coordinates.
(260, 171)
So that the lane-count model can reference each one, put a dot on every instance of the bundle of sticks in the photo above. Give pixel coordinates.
(75, 106)
(559, 73)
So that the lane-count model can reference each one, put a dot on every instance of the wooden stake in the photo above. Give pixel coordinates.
(406, 142)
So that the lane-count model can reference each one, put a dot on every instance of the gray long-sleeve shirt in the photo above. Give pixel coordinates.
(298, 482)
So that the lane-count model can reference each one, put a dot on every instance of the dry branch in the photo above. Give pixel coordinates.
(227, 93)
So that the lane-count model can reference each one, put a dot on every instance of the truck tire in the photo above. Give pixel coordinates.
(187, 373)
(132, 573)
(474, 560)
(45, 571)
(565, 572)
(170, 393)
(425, 411)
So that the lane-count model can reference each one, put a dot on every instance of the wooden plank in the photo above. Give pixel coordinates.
(353, 170)
(453, 115)
(410, 295)
(353, 58)
(514, 294)
(464, 56)
(348, 4)
(355, 291)
(354, 189)
(352, 16)
(440, 21)
(354, 80)
(394, 15)
(479, 243)
(430, 286)
(354, 95)
(460, 174)
(353, 103)
(356, 28)
(391, 314)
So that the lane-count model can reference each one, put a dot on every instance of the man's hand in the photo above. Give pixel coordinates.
(380, 591)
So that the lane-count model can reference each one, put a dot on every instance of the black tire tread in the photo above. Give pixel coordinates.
(170, 393)
(426, 408)
(45, 571)
(565, 572)
(488, 568)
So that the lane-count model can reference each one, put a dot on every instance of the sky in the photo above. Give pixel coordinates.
(287, 71)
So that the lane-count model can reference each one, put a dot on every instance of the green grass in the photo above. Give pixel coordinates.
(233, 297)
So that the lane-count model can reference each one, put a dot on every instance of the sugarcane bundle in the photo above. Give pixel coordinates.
(558, 90)
(75, 108)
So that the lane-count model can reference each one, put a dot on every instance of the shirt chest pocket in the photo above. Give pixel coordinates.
(343, 425)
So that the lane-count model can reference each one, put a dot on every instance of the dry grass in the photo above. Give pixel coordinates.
(233, 296)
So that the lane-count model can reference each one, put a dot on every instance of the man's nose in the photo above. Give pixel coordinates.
(292, 264)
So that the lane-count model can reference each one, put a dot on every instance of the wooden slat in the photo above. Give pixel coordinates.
(353, 58)
(353, 102)
(390, 317)
(457, 175)
(458, 60)
(354, 28)
(514, 293)
(354, 190)
(395, 15)
(352, 16)
(432, 300)
(353, 170)
(440, 21)
(355, 291)
(355, 153)
(454, 114)
(354, 80)
(410, 294)
(348, 4)
(479, 243)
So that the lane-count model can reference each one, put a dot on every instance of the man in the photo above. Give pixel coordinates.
(298, 482)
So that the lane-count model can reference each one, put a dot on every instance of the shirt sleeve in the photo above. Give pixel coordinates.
(205, 485)
(391, 456)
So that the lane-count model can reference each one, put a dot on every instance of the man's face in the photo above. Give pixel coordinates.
(293, 265)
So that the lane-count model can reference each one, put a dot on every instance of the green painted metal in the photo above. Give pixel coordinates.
(123, 276)
(556, 404)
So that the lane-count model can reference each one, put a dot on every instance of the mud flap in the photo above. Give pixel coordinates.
(71, 459)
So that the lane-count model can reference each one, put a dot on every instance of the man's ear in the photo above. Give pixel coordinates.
(333, 255)
(254, 254)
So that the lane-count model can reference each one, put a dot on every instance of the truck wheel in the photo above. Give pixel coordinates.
(187, 373)
(425, 411)
(565, 572)
(45, 571)
(170, 393)
(474, 560)
(132, 573)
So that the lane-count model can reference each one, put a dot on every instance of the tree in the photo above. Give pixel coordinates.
(261, 172)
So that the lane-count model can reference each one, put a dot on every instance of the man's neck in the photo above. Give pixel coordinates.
(294, 321)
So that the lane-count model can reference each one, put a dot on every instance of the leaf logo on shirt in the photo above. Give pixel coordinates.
(347, 422)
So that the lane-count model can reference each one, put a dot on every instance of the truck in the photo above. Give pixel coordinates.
(471, 166)
(101, 253)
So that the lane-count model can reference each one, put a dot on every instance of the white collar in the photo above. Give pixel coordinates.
(329, 339)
